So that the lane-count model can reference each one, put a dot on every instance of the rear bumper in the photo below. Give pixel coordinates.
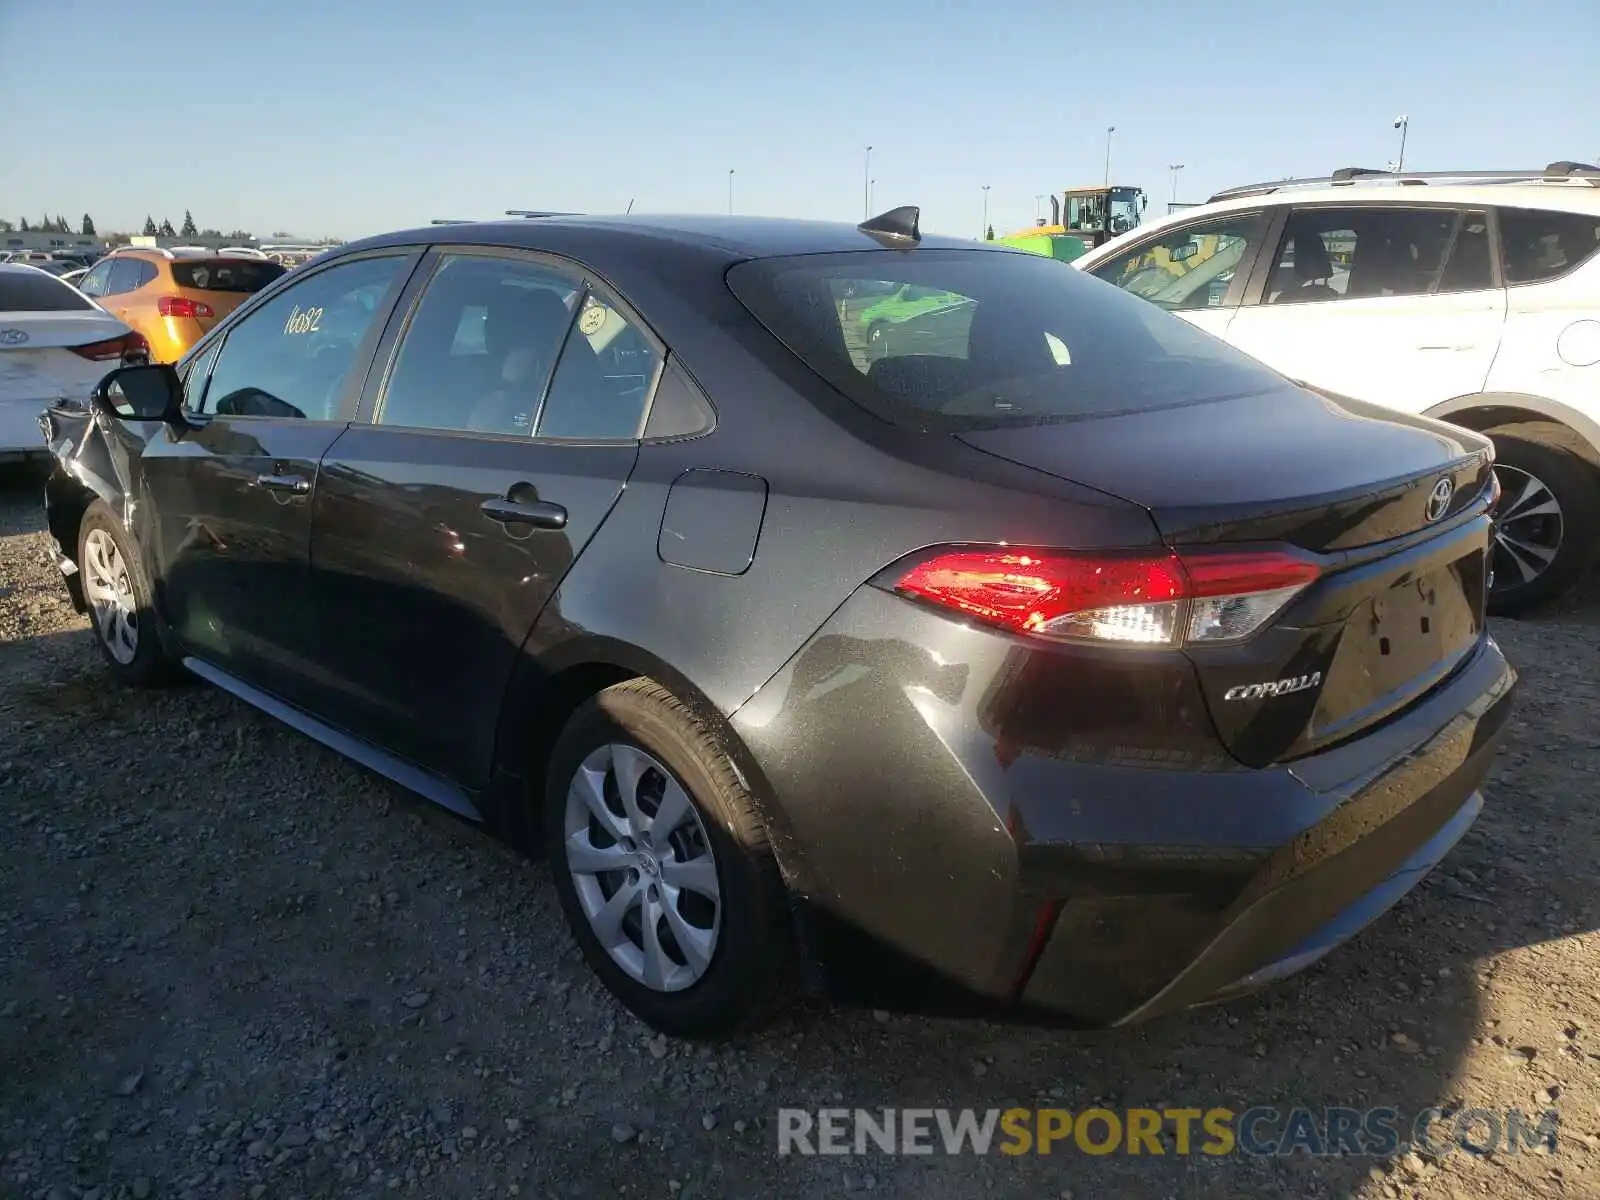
(948, 858)
(20, 435)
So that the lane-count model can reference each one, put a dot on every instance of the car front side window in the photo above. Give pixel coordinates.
(293, 356)
(94, 283)
(1191, 267)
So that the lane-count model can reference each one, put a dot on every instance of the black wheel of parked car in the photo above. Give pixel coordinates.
(119, 600)
(663, 865)
(1545, 523)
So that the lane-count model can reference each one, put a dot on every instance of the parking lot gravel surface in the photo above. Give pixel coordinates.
(232, 964)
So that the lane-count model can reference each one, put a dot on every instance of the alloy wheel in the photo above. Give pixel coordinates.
(1527, 528)
(109, 590)
(642, 867)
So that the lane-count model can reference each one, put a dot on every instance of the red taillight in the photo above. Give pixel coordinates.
(1145, 599)
(129, 348)
(182, 306)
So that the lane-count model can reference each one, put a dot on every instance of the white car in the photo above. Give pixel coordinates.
(1474, 298)
(54, 342)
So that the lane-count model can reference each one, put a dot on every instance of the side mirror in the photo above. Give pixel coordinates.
(144, 393)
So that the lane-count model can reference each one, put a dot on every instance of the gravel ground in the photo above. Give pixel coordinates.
(232, 964)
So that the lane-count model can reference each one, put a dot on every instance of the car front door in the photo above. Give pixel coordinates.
(231, 497)
(1196, 270)
(1395, 305)
(499, 440)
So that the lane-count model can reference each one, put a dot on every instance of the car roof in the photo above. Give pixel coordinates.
(729, 237)
(1560, 197)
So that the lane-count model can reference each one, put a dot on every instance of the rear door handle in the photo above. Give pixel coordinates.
(540, 514)
(297, 485)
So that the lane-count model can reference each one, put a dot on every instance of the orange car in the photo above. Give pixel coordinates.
(173, 297)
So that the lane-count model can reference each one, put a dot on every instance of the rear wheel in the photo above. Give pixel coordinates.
(119, 599)
(1544, 525)
(662, 864)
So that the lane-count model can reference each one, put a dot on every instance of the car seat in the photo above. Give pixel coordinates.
(1312, 269)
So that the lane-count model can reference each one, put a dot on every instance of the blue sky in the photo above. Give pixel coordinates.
(350, 118)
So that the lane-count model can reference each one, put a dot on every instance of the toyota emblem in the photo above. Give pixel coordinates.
(1439, 498)
(13, 337)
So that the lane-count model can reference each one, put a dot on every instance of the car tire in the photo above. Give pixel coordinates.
(1534, 475)
(121, 613)
(638, 731)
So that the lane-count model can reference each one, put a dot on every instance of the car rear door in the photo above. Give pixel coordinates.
(232, 497)
(499, 439)
(1395, 305)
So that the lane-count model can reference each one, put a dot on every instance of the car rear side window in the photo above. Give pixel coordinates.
(481, 346)
(126, 274)
(1368, 252)
(1537, 245)
(1015, 338)
(35, 291)
(225, 274)
(517, 348)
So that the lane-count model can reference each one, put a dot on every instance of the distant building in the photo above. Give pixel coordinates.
(210, 243)
(78, 243)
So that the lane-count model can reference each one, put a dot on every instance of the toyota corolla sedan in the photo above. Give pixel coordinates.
(1058, 662)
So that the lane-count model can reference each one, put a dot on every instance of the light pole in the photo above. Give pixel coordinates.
(1110, 129)
(866, 187)
(872, 190)
(1403, 124)
(985, 232)
(730, 191)
(1174, 168)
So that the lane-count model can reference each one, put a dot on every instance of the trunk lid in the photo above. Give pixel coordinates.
(42, 365)
(1400, 602)
(1282, 465)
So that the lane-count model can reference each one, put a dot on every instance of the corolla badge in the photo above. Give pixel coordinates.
(13, 337)
(1275, 687)
(1439, 498)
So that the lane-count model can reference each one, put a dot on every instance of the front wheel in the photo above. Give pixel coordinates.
(1544, 525)
(662, 864)
(121, 612)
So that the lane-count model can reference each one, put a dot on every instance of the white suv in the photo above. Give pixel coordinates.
(1470, 297)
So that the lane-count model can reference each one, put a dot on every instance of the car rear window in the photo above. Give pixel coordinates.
(34, 291)
(225, 274)
(953, 340)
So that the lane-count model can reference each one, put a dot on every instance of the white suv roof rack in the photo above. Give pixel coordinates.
(1556, 172)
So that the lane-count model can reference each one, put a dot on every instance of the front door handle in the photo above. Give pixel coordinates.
(540, 514)
(296, 485)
